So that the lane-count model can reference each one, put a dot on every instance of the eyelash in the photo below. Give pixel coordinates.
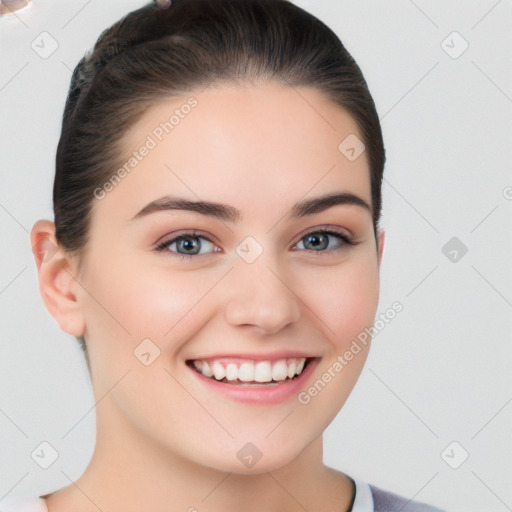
(193, 234)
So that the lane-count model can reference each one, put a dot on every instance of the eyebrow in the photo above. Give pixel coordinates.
(226, 212)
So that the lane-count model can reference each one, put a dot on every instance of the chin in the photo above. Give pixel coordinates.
(254, 459)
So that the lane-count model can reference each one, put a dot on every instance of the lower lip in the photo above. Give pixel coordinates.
(261, 394)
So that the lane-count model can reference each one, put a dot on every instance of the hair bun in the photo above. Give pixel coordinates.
(163, 4)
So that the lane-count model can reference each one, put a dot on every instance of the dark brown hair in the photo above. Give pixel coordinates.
(153, 54)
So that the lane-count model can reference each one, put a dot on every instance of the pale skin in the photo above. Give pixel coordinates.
(164, 441)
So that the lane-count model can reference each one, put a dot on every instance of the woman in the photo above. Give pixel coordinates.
(216, 250)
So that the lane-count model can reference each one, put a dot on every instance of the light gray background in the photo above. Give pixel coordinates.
(438, 373)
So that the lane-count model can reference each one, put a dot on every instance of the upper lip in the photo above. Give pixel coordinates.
(269, 356)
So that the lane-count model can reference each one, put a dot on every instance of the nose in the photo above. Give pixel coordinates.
(259, 297)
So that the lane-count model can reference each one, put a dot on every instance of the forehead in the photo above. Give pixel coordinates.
(254, 146)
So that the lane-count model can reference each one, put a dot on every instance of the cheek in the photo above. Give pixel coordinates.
(345, 299)
(127, 305)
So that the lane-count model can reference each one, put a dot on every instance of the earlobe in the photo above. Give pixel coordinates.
(57, 283)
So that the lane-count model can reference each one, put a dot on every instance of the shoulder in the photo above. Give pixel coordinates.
(369, 498)
(35, 504)
(385, 501)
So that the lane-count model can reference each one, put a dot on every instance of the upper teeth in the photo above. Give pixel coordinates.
(249, 371)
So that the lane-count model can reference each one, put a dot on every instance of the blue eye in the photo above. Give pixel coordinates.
(187, 242)
(192, 244)
(318, 241)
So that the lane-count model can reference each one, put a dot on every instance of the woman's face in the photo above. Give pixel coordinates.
(255, 283)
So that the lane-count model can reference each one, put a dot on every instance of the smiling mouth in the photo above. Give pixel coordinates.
(251, 373)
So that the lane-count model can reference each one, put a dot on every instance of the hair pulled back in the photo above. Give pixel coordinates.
(153, 54)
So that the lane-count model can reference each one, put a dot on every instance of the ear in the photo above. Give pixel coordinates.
(57, 281)
(381, 242)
